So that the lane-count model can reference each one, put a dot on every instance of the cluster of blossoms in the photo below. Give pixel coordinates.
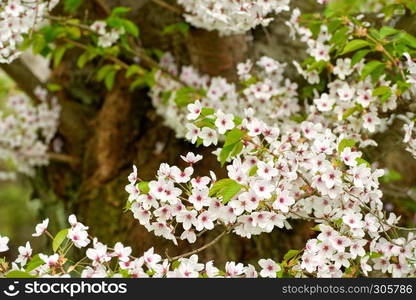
(168, 200)
(334, 250)
(266, 93)
(354, 106)
(409, 137)
(26, 130)
(17, 19)
(353, 103)
(409, 119)
(372, 6)
(106, 38)
(117, 262)
(231, 17)
(277, 173)
(411, 68)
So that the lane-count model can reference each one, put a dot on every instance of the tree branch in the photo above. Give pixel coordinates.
(166, 5)
(196, 251)
(23, 76)
(64, 158)
(104, 6)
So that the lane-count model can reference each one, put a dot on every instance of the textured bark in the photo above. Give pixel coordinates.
(217, 55)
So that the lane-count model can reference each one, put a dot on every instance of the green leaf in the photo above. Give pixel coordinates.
(127, 206)
(206, 122)
(230, 150)
(114, 22)
(316, 228)
(383, 91)
(340, 36)
(291, 254)
(143, 187)
(250, 81)
(175, 264)
(318, 66)
(109, 79)
(59, 238)
(237, 120)
(391, 176)
(166, 96)
(181, 27)
(149, 78)
(355, 45)
(358, 56)
(53, 87)
(351, 110)
(375, 34)
(85, 57)
(408, 39)
(233, 136)
(130, 27)
(139, 82)
(207, 111)
(34, 263)
(72, 5)
(315, 28)
(120, 10)
(133, 69)
(82, 60)
(103, 71)
(225, 153)
(387, 31)
(375, 255)
(73, 32)
(334, 25)
(185, 96)
(238, 147)
(19, 274)
(253, 170)
(199, 142)
(230, 191)
(346, 143)
(361, 161)
(38, 44)
(371, 67)
(411, 5)
(52, 32)
(58, 54)
(298, 118)
(219, 185)
(225, 188)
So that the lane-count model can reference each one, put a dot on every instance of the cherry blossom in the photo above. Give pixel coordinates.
(41, 228)
(4, 240)
(230, 17)
(269, 268)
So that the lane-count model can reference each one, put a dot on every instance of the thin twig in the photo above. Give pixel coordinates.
(103, 5)
(166, 5)
(64, 158)
(196, 251)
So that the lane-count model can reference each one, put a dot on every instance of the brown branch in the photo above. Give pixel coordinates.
(146, 60)
(168, 6)
(64, 158)
(104, 6)
(23, 77)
